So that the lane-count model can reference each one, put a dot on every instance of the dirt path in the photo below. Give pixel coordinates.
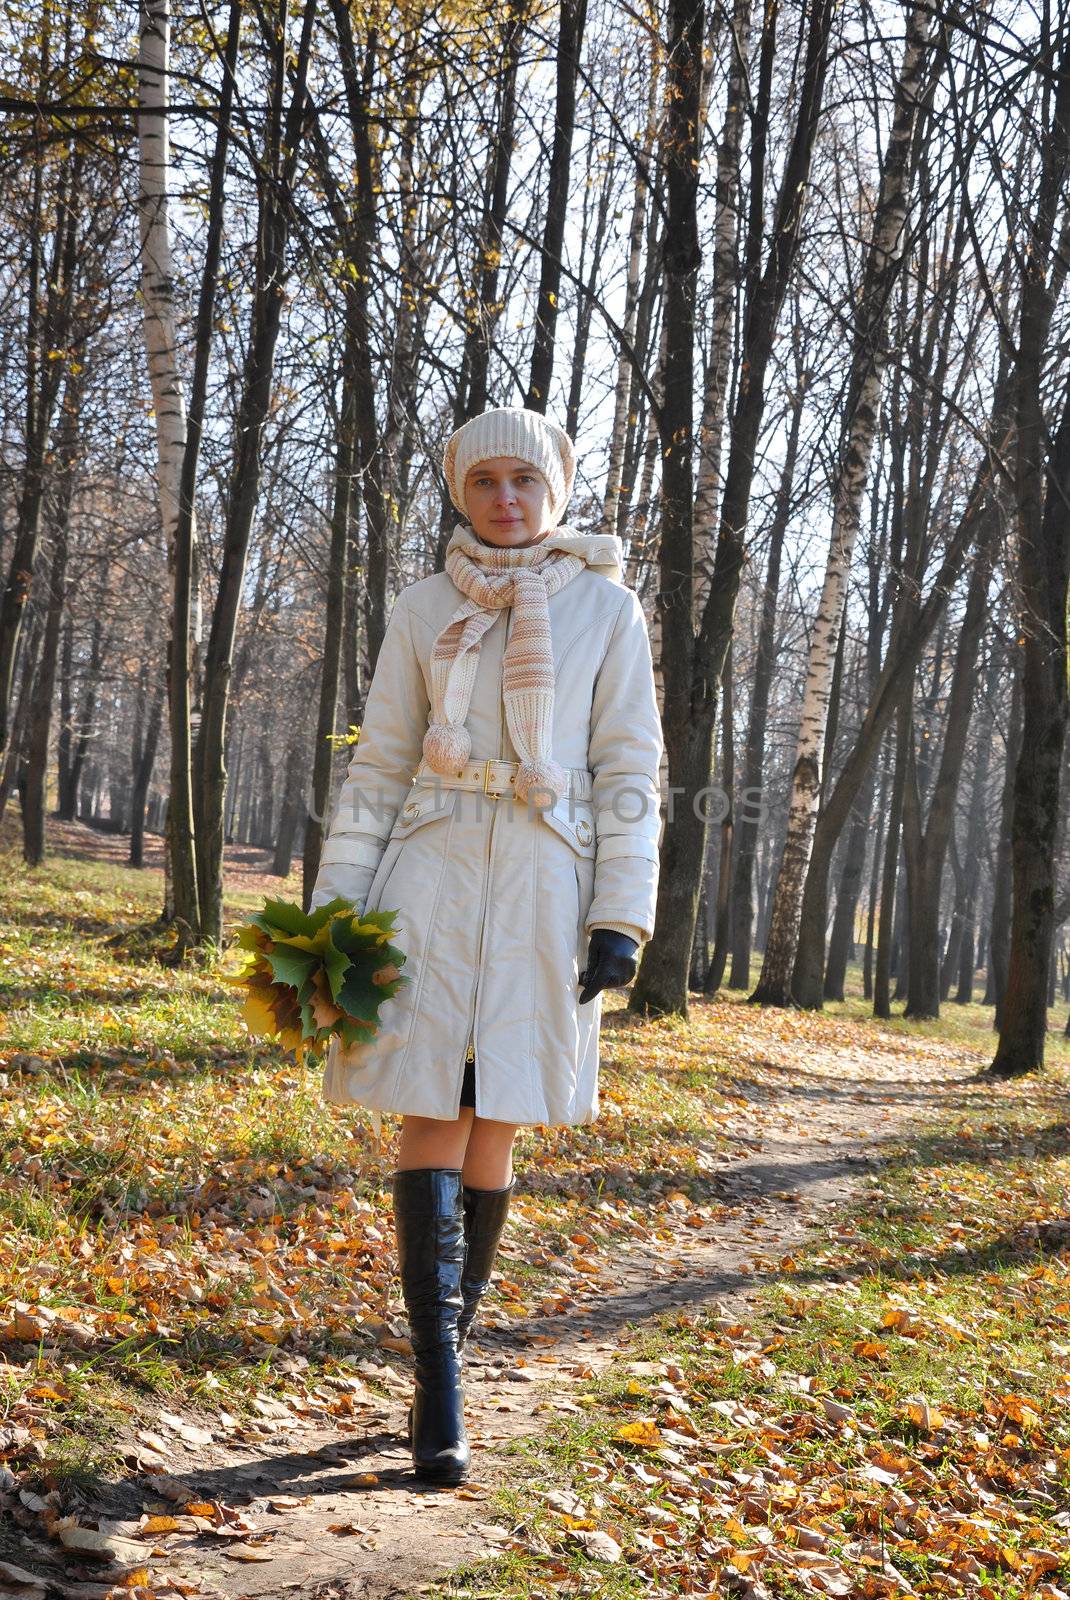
(316, 1523)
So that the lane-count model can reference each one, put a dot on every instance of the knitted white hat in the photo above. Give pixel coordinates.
(512, 431)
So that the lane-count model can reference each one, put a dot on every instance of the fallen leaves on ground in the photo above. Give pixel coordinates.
(171, 1194)
(893, 1419)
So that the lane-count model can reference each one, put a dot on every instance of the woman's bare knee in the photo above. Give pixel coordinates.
(488, 1162)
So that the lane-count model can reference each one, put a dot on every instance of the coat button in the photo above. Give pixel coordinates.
(412, 809)
(583, 831)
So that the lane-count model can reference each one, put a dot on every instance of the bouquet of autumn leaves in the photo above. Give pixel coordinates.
(310, 976)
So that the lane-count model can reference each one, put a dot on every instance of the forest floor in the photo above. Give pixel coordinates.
(792, 1317)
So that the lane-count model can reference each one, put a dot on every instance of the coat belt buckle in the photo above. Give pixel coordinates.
(486, 779)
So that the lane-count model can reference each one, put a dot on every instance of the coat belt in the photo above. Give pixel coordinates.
(496, 778)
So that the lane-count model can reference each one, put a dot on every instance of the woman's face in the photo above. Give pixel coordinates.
(508, 501)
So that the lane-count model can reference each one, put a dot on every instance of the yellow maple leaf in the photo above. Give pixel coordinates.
(258, 1013)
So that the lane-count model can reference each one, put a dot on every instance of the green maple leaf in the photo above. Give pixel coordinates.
(283, 917)
(293, 967)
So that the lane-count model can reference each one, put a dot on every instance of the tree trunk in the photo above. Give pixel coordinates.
(358, 233)
(929, 845)
(35, 794)
(882, 268)
(1000, 922)
(612, 499)
(690, 739)
(722, 312)
(952, 954)
(841, 948)
(14, 766)
(293, 790)
(874, 881)
(143, 761)
(182, 900)
(67, 800)
(752, 806)
(970, 866)
(157, 260)
(726, 787)
(1042, 491)
(333, 620)
(98, 649)
(48, 330)
(882, 1002)
(573, 14)
(588, 296)
(275, 210)
(1044, 575)
(470, 396)
(911, 628)
(693, 665)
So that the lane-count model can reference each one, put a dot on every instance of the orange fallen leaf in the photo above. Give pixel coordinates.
(644, 1432)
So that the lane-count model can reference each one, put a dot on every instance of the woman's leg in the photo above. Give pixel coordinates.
(429, 1219)
(488, 1162)
(433, 1142)
(488, 1188)
(481, 1148)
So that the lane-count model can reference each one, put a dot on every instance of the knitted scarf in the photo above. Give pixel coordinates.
(490, 577)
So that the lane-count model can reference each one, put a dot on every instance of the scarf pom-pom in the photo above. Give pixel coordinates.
(539, 776)
(447, 747)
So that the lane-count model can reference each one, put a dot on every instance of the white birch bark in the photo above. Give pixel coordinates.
(723, 301)
(653, 454)
(869, 360)
(157, 264)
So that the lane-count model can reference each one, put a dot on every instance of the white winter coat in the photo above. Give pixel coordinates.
(496, 898)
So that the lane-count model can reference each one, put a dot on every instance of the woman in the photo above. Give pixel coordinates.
(504, 799)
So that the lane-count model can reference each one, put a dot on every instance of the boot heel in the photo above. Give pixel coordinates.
(429, 1222)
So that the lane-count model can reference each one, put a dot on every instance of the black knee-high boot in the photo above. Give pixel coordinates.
(485, 1211)
(429, 1219)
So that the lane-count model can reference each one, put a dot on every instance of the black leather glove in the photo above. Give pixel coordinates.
(610, 962)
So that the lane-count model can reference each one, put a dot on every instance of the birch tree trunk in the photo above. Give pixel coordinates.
(169, 404)
(883, 266)
(157, 261)
(723, 302)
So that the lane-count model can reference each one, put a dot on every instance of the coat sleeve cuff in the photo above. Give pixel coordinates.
(629, 928)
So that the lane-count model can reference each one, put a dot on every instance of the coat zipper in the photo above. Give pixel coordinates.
(470, 1051)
